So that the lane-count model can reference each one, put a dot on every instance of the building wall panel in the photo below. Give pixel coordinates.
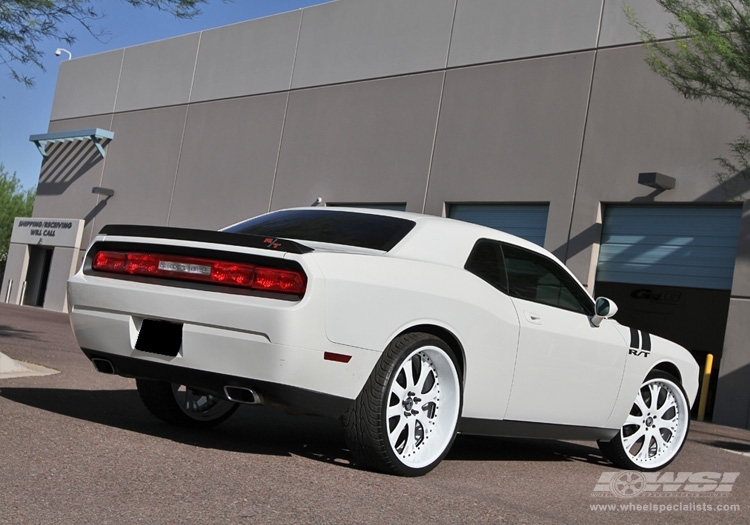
(141, 169)
(157, 74)
(511, 133)
(616, 30)
(360, 142)
(87, 86)
(228, 161)
(247, 58)
(636, 124)
(361, 39)
(491, 31)
(732, 406)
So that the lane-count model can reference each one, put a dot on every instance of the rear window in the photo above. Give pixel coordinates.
(363, 230)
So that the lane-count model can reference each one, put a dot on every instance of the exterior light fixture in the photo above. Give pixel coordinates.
(656, 180)
(102, 191)
(59, 51)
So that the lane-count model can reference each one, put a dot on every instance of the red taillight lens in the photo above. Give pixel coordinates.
(203, 270)
(279, 280)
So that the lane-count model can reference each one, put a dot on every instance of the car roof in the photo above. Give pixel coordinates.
(436, 239)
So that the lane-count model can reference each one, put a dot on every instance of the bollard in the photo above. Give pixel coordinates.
(23, 293)
(704, 386)
(7, 293)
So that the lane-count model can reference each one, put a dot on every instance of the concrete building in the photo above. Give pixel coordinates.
(534, 116)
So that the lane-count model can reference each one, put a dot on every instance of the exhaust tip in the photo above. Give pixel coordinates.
(240, 394)
(102, 365)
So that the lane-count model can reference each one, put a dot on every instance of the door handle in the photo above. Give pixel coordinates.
(533, 317)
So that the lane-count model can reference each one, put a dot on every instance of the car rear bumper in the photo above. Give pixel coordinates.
(245, 338)
(271, 394)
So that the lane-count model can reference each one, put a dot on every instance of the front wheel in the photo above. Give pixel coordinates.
(404, 421)
(183, 406)
(656, 428)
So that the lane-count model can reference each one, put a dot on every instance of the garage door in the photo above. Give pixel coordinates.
(688, 246)
(528, 221)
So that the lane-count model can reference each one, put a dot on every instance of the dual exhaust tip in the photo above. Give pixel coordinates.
(238, 394)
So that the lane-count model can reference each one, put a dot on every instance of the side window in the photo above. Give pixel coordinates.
(486, 262)
(536, 278)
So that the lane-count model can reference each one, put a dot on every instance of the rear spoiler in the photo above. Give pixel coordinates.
(210, 236)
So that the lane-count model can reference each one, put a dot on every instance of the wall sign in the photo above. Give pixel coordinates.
(47, 232)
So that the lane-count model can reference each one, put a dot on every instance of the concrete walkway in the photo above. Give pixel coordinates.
(10, 369)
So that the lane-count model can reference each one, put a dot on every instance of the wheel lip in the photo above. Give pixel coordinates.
(218, 410)
(437, 448)
(678, 439)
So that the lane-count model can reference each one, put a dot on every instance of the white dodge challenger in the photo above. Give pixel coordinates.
(410, 328)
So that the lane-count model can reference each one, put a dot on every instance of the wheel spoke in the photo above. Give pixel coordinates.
(633, 420)
(425, 372)
(395, 410)
(630, 440)
(669, 402)
(661, 444)
(655, 389)
(394, 434)
(398, 390)
(430, 397)
(656, 428)
(643, 452)
(641, 403)
(422, 418)
(410, 437)
(408, 370)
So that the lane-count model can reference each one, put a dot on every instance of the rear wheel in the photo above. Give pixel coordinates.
(656, 428)
(183, 406)
(404, 420)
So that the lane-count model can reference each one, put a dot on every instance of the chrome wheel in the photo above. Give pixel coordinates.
(423, 405)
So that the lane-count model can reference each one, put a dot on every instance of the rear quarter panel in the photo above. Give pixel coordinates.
(370, 300)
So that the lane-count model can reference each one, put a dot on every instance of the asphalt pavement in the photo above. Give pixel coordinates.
(78, 447)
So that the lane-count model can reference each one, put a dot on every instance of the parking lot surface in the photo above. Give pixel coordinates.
(79, 447)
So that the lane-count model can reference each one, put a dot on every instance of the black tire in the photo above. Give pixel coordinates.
(397, 426)
(185, 407)
(662, 428)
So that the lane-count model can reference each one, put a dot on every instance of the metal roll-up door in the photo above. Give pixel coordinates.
(528, 221)
(686, 246)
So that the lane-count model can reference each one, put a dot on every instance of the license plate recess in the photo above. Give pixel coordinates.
(159, 337)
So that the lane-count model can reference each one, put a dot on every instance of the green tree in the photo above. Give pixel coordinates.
(25, 24)
(708, 58)
(14, 202)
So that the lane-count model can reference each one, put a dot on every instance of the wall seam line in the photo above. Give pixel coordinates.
(184, 128)
(439, 110)
(286, 109)
(583, 139)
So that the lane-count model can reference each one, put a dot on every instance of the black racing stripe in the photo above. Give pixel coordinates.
(635, 340)
(646, 340)
(210, 236)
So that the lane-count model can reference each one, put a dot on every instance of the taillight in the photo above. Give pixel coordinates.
(203, 270)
